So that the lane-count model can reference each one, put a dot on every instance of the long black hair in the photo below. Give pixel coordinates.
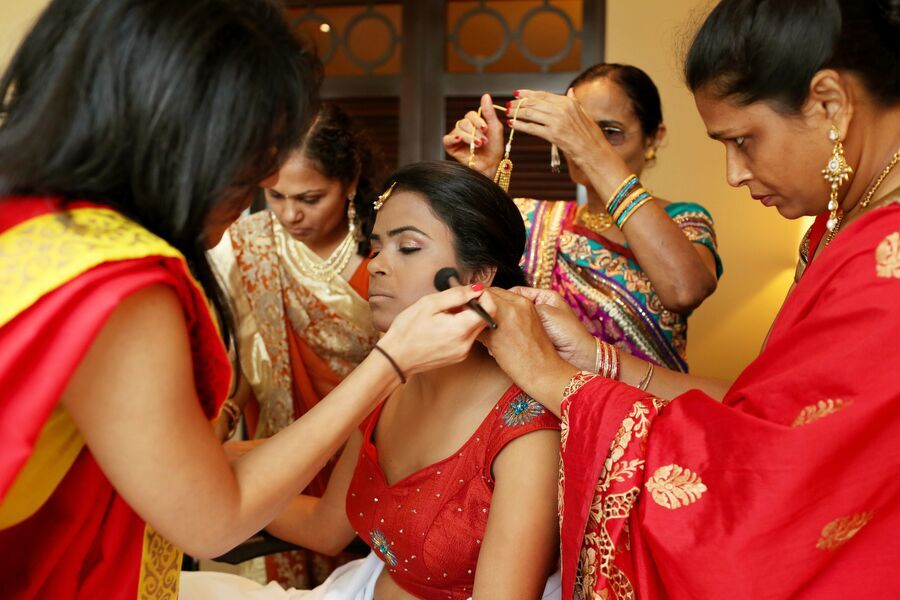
(488, 230)
(637, 85)
(769, 50)
(343, 152)
(161, 109)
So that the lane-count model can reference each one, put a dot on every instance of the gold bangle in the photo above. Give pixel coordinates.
(634, 210)
(645, 381)
(607, 360)
(619, 189)
(627, 202)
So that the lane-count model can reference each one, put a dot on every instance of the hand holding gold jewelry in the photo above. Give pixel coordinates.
(562, 121)
(478, 135)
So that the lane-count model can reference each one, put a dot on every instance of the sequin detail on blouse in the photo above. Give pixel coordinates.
(521, 410)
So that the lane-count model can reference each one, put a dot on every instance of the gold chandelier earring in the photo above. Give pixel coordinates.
(351, 214)
(504, 169)
(836, 172)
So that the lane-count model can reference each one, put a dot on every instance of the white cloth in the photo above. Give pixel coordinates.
(353, 581)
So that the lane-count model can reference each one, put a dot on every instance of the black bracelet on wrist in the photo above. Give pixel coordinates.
(393, 363)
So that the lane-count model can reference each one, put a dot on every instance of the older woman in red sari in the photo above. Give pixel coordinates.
(782, 483)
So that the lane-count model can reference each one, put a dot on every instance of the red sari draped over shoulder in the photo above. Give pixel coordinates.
(787, 489)
(64, 531)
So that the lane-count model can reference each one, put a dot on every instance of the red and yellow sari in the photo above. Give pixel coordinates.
(787, 489)
(298, 337)
(64, 531)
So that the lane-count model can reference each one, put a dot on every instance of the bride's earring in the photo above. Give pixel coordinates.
(836, 172)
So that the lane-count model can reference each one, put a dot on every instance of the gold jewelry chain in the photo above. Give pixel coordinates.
(887, 170)
(331, 266)
(868, 197)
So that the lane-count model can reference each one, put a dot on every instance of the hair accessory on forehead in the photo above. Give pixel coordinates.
(380, 200)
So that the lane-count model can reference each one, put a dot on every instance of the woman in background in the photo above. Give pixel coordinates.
(633, 280)
(297, 282)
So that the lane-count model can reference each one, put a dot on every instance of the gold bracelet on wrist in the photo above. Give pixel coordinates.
(645, 381)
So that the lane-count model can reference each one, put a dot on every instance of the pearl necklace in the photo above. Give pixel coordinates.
(327, 269)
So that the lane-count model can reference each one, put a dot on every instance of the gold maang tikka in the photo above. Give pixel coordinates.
(836, 172)
(380, 200)
(504, 169)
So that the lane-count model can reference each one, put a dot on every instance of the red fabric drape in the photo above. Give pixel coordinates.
(84, 541)
(787, 489)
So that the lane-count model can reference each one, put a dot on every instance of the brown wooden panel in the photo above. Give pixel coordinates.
(530, 155)
(379, 117)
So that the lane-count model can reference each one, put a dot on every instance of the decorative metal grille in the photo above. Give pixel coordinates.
(324, 20)
(513, 35)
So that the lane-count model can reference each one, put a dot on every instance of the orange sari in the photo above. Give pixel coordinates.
(64, 530)
(298, 337)
(786, 489)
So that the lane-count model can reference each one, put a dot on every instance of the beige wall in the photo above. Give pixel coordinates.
(758, 246)
(16, 16)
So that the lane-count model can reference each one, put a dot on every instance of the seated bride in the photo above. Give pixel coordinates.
(452, 481)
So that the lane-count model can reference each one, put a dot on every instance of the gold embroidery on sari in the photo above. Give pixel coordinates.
(887, 257)
(598, 551)
(838, 532)
(674, 486)
(40, 254)
(578, 380)
(660, 403)
(160, 568)
(819, 410)
(258, 264)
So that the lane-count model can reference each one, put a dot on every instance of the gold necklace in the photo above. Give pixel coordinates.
(327, 269)
(596, 222)
(868, 197)
(887, 170)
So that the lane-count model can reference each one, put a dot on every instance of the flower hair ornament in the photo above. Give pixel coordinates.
(380, 200)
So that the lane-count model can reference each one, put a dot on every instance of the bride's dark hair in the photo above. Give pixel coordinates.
(487, 227)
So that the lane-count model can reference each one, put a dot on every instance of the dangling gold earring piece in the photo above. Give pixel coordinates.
(650, 154)
(351, 214)
(836, 173)
(472, 146)
(504, 169)
(554, 159)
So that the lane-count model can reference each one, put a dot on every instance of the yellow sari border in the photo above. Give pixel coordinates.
(39, 255)
(160, 568)
(55, 451)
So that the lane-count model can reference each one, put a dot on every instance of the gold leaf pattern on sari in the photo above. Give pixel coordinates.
(819, 410)
(887, 257)
(660, 403)
(674, 486)
(838, 532)
(614, 499)
(578, 380)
